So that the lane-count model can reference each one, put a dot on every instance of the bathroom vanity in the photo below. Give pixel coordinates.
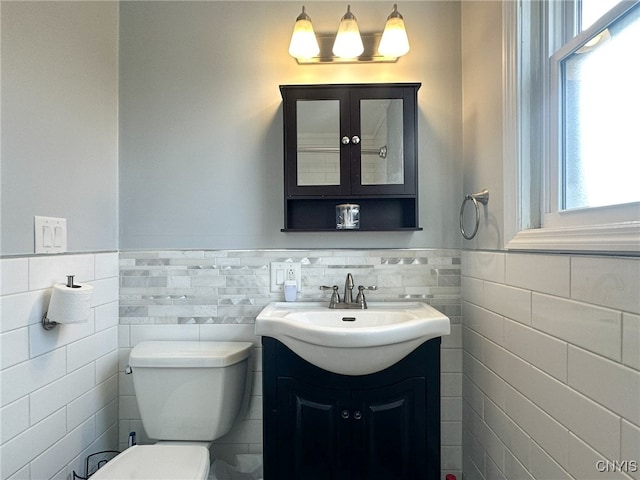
(350, 143)
(320, 425)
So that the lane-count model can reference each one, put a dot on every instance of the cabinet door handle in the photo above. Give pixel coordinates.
(345, 140)
(357, 414)
(355, 140)
(345, 414)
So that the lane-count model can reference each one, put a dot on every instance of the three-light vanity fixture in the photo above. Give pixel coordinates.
(348, 45)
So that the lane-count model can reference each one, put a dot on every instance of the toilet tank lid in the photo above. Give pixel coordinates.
(187, 354)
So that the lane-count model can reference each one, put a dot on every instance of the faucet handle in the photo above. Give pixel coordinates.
(335, 296)
(360, 298)
(370, 287)
(361, 290)
(326, 287)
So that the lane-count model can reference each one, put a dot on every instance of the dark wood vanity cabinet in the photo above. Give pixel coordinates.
(320, 425)
(350, 143)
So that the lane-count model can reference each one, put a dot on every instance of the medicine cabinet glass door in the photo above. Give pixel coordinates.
(381, 142)
(318, 142)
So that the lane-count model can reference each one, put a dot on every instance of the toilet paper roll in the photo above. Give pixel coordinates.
(70, 304)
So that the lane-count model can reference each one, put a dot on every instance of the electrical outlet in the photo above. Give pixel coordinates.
(283, 271)
(50, 234)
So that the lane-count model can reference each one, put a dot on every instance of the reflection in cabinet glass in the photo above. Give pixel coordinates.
(318, 140)
(353, 143)
(381, 124)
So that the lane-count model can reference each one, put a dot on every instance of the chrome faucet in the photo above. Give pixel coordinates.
(348, 289)
(347, 299)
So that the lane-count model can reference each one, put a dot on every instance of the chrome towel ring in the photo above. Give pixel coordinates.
(483, 198)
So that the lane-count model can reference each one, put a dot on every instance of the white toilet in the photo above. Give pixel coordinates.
(189, 394)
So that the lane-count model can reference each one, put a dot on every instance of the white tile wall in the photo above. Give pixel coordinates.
(14, 276)
(540, 273)
(567, 395)
(613, 385)
(537, 348)
(610, 282)
(58, 400)
(593, 328)
(484, 266)
(631, 340)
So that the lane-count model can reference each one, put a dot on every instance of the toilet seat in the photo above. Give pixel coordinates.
(153, 462)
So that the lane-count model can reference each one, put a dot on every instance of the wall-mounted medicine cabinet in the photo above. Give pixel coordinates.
(350, 143)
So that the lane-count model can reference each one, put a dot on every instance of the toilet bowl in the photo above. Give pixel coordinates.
(189, 394)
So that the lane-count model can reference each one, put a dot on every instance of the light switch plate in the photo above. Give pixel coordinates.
(280, 272)
(50, 234)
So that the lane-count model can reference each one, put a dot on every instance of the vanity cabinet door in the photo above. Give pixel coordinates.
(370, 434)
(389, 431)
(313, 431)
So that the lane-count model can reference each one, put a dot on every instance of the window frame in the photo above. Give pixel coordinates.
(532, 151)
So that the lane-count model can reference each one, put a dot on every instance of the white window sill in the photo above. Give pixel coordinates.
(611, 238)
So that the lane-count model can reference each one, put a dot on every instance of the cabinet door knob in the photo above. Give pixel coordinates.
(345, 414)
(355, 140)
(345, 140)
(357, 414)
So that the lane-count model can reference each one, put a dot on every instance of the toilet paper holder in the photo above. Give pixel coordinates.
(48, 324)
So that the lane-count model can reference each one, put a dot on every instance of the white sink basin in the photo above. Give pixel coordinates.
(352, 342)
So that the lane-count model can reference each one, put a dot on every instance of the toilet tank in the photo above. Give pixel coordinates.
(190, 391)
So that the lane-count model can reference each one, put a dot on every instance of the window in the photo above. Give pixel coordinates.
(598, 100)
(578, 110)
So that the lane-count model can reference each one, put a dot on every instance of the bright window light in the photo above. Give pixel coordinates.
(601, 105)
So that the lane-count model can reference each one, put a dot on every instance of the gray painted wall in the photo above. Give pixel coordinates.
(201, 120)
(482, 118)
(60, 122)
(200, 161)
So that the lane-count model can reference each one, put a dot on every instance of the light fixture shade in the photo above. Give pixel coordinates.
(348, 43)
(394, 41)
(304, 43)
